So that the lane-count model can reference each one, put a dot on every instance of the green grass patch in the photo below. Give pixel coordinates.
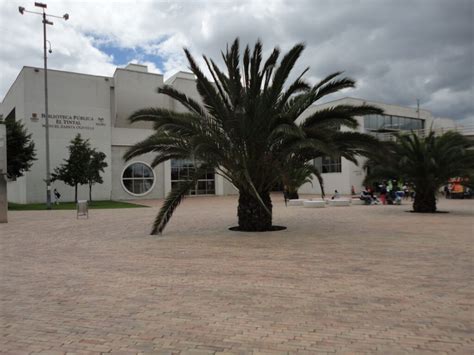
(71, 206)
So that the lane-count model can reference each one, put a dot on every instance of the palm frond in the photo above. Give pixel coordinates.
(160, 117)
(340, 115)
(174, 198)
(171, 154)
(299, 85)
(285, 67)
(154, 143)
(234, 83)
(331, 87)
(191, 104)
(172, 201)
(269, 66)
(208, 93)
(356, 143)
(318, 175)
(246, 62)
(220, 80)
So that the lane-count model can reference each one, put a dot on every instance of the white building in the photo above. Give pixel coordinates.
(97, 107)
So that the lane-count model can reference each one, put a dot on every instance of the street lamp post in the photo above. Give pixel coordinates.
(22, 10)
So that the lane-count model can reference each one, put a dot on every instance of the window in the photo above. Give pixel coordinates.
(331, 165)
(138, 179)
(396, 122)
(182, 169)
(386, 122)
(374, 122)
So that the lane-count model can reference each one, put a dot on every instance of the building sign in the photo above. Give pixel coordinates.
(63, 121)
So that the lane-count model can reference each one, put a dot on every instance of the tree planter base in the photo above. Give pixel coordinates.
(272, 229)
(427, 212)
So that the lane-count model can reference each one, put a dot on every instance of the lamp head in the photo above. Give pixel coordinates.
(66, 16)
(21, 9)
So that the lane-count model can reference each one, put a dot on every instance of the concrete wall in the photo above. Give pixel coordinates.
(332, 181)
(341, 181)
(229, 188)
(352, 175)
(77, 104)
(136, 90)
(122, 140)
(98, 108)
(440, 123)
(118, 166)
(185, 83)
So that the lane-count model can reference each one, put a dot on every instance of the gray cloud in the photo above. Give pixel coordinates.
(397, 51)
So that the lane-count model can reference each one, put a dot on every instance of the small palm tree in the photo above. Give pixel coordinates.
(246, 128)
(297, 174)
(323, 137)
(429, 162)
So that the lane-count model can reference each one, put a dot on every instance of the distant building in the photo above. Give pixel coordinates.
(341, 174)
(97, 107)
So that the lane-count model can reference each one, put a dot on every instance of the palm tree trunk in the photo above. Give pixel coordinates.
(293, 195)
(252, 216)
(90, 192)
(75, 193)
(425, 201)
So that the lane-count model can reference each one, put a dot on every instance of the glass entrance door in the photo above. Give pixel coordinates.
(182, 169)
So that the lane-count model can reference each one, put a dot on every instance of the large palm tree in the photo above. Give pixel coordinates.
(427, 161)
(246, 128)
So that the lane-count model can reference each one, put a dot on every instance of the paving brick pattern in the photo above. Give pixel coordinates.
(359, 279)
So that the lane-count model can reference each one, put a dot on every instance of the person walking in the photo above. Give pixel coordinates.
(406, 191)
(446, 191)
(412, 192)
(383, 194)
(57, 196)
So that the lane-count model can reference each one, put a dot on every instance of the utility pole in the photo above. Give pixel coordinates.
(3, 173)
(22, 10)
(418, 107)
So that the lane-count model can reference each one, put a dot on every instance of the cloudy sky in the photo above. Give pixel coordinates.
(397, 50)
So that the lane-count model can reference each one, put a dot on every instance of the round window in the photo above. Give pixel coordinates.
(138, 179)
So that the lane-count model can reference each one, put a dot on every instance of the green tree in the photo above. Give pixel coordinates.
(20, 148)
(73, 171)
(96, 166)
(246, 127)
(429, 162)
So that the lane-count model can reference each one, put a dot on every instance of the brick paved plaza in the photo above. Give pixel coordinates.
(359, 279)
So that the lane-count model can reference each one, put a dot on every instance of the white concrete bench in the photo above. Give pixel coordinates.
(358, 201)
(295, 202)
(82, 209)
(340, 202)
(314, 204)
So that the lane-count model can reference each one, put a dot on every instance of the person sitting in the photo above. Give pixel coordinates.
(398, 197)
(365, 196)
